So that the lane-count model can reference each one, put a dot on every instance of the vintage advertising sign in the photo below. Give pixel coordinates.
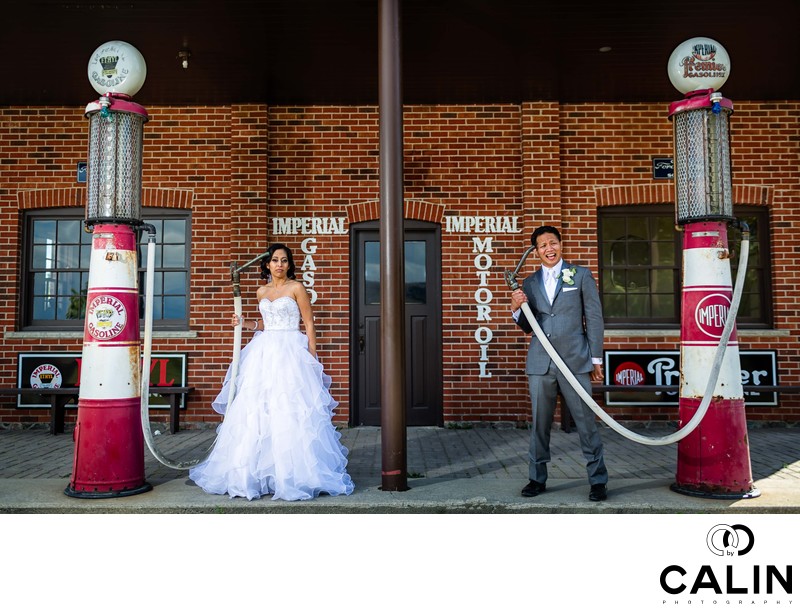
(63, 370)
(662, 368)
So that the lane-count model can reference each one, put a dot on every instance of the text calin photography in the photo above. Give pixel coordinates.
(728, 579)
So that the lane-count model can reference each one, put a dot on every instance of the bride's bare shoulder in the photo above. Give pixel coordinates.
(298, 289)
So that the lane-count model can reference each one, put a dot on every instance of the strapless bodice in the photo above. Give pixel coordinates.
(281, 314)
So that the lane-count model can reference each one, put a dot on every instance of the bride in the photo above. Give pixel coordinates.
(277, 437)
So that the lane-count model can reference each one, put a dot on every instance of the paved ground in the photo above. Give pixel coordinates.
(465, 470)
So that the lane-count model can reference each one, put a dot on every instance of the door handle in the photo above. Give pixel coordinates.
(361, 344)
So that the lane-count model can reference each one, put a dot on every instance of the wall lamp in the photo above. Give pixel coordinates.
(184, 56)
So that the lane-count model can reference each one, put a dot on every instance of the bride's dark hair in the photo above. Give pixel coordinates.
(266, 259)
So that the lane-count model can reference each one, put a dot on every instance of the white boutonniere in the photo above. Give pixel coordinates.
(567, 274)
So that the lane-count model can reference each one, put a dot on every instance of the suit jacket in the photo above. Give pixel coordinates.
(573, 323)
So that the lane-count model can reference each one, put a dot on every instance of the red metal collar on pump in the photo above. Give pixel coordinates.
(698, 99)
(117, 102)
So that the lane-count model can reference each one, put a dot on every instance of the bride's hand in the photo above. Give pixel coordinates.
(236, 320)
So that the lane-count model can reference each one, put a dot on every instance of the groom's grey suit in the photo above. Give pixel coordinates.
(574, 325)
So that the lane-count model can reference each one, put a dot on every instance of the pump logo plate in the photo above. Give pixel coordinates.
(711, 313)
(106, 317)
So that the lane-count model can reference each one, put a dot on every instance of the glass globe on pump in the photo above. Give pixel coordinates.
(698, 64)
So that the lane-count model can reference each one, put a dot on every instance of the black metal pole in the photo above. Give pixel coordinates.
(393, 397)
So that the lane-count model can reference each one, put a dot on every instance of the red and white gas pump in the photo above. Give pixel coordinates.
(109, 443)
(714, 459)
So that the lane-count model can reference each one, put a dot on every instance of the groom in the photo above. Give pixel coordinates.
(563, 297)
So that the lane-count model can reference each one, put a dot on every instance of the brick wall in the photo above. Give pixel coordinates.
(239, 167)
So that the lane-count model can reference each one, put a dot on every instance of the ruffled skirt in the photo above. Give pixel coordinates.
(277, 436)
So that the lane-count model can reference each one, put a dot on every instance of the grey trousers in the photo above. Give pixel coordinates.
(544, 391)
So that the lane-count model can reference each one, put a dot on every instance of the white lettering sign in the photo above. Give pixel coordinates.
(309, 247)
(308, 225)
(482, 225)
(483, 300)
(665, 372)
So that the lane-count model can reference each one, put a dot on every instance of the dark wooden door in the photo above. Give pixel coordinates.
(423, 327)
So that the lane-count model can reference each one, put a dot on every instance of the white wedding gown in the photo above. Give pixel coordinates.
(277, 437)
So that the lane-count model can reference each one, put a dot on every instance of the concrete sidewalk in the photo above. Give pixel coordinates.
(462, 470)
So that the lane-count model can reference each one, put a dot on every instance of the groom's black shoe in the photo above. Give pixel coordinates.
(533, 488)
(598, 492)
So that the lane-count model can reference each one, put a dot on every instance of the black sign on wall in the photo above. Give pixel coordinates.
(63, 370)
(663, 168)
(632, 368)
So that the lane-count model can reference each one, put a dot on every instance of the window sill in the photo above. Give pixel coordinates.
(78, 335)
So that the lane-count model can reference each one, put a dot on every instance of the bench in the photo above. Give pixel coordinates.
(59, 398)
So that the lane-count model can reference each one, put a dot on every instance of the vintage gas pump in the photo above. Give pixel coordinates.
(109, 443)
(714, 459)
